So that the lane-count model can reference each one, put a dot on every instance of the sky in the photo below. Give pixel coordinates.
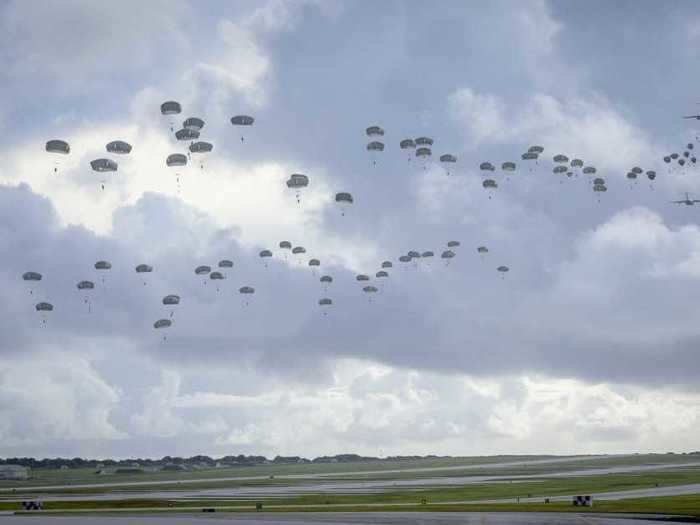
(589, 344)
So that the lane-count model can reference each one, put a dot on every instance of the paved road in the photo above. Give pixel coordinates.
(677, 490)
(346, 518)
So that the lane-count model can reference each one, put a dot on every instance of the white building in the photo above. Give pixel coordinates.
(13, 472)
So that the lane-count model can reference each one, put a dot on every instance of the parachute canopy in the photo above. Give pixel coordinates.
(103, 265)
(119, 147)
(508, 166)
(43, 307)
(387, 264)
(362, 277)
(343, 198)
(314, 262)
(374, 131)
(31, 276)
(298, 249)
(176, 159)
(144, 268)
(246, 290)
(326, 279)
(297, 180)
(225, 263)
(186, 134)
(162, 323)
(535, 149)
(170, 108)
(375, 146)
(486, 166)
(407, 144)
(381, 273)
(448, 158)
(216, 276)
(85, 285)
(423, 152)
(193, 123)
(58, 146)
(171, 300)
(503, 269)
(424, 141)
(103, 165)
(325, 301)
(242, 120)
(448, 254)
(265, 253)
(453, 244)
(482, 249)
(202, 270)
(201, 147)
(286, 245)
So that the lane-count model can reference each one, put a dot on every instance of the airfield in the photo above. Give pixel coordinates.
(442, 490)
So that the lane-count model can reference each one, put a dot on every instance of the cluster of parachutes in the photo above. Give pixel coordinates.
(681, 159)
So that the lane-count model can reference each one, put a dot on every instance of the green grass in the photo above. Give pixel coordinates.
(445, 494)
(346, 471)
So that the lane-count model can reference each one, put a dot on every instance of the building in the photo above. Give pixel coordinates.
(14, 472)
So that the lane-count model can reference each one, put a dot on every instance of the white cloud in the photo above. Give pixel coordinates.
(56, 396)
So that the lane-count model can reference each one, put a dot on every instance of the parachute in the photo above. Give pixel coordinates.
(103, 166)
(414, 254)
(285, 245)
(370, 289)
(242, 120)
(362, 277)
(598, 180)
(171, 301)
(326, 279)
(453, 244)
(193, 124)
(529, 156)
(187, 134)
(651, 174)
(577, 163)
(264, 254)
(144, 268)
(246, 290)
(559, 169)
(162, 323)
(424, 141)
(448, 254)
(225, 263)
(446, 160)
(381, 274)
(387, 264)
(405, 258)
(85, 285)
(508, 166)
(407, 145)
(667, 159)
(344, 200)
(314, 262)
(375, 146)
(503, 269)
(298, 249)
(297, 182)
(482, 249)
(325, 301)
(103, 265)
(487, 166)
(217, 276)
(589, 170)
(631, 175)
(637, 170)
(535, 149)
(57, 146)
(427, 254)
(119, 147)
(600, 188)
(44, 307)
(31, 276)
(560, 159)
(674, 156)
(201, 148)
